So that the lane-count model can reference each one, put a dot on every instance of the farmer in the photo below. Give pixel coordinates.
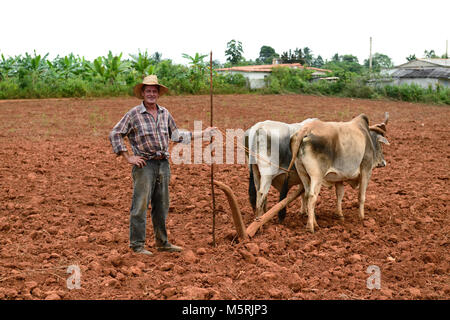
(148, 127)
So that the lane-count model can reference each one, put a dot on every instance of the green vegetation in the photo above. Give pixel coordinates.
(36, 76)
(286, 80)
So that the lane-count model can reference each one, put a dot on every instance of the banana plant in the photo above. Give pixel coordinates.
(142, 63)
(8, 67)
(113, 66)
(67, 66)
(196, 61)
(35, 64)
(197, 70)
(31, 67)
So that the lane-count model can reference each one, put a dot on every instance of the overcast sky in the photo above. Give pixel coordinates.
(92, 28)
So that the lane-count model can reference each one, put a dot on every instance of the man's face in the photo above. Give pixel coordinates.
(150, 94)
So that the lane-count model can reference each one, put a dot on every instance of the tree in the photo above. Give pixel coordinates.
(157, 57)
(346, 62)
(318, 62)
(430, 54)
(295, 57)
(411, 57)
(287, 57)
(307, 56)
(379, 61)
(348, 58)
(266, 55)
(234, 52)
(336, 58)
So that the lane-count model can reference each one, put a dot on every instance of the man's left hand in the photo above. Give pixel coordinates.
(208, 132)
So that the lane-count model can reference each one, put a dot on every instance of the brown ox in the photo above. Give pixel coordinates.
(331, 153)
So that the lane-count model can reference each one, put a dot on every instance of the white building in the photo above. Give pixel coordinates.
(256, 75)
(423, 72)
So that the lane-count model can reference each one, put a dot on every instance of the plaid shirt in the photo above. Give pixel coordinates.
(148, 137)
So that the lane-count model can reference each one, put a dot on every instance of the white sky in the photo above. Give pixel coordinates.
(92, 28)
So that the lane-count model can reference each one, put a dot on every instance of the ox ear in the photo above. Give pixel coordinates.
(383, 140)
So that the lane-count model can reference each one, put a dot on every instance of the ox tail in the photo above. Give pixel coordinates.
(296, 140)
(283, 195)
(252, 189)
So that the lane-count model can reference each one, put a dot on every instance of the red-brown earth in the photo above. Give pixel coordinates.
(65, 198)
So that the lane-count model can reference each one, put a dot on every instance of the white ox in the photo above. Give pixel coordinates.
(269, 154)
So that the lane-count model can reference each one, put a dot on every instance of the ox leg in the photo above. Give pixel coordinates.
(256, 183)
(265, 204)
(312, 199)
(304, 207)
(261, 195)
(339, 195)
(364, 181)
(304, 178)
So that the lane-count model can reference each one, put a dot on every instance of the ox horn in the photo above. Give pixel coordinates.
(386, 118)
(381, 127)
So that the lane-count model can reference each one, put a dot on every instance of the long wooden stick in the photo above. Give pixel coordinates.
(212, 162)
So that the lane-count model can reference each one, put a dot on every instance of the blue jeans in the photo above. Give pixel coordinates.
(150, 183)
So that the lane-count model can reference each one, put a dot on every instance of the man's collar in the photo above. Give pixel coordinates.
(143, 109)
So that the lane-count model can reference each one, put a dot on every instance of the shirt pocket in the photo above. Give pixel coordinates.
(164, 131)
(143, 130)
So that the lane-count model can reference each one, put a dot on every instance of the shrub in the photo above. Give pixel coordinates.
(358, 91)
(274, 85)
(9, 89)
(74, 88)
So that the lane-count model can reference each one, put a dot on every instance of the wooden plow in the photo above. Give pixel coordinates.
(242, 232)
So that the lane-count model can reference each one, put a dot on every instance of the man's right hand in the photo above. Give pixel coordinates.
(137, 160)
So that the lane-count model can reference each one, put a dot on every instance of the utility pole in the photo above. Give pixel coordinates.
(370, 55)
(446, 49)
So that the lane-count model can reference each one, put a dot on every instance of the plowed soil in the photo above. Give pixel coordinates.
(65, 199)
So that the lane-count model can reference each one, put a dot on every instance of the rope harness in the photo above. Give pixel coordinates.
(255, 154)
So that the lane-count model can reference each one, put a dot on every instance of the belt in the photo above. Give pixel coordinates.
(159, 158)
(159, 155)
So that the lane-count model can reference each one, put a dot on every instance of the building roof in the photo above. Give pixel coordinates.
(438, 61)
(268, 68)
(437, 73)
(426, 62)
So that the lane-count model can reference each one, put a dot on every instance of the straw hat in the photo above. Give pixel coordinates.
(151, 80)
